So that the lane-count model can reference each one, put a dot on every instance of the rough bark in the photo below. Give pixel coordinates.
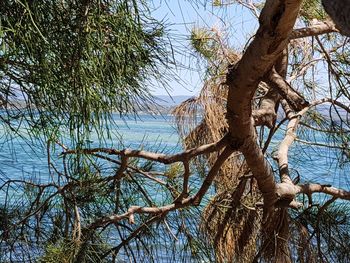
(267, 112)
(295, 100)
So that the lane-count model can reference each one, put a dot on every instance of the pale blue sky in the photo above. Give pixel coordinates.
(236, 23)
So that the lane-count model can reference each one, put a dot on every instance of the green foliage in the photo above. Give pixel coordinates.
(312, 10)
(217, 2)
(57, 253)
(210, 46)
(329, 229)
(75, 62)
(65, 251)
(69, 64)
(204, 42)
(175, 170)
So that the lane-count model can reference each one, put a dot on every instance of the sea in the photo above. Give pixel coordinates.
(24, 157)
(22, 160)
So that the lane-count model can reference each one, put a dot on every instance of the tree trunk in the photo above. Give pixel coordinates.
(276, 23)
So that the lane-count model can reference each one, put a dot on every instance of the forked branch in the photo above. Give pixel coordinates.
(177, 204)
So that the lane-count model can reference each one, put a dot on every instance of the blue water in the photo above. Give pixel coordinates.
(315, 164)
(22, 159)
(25, 160)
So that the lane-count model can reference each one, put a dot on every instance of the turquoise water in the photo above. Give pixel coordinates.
(315, 164)
(20, 160)
(23, 159)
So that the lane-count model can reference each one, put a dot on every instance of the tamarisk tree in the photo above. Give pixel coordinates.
(102, 203)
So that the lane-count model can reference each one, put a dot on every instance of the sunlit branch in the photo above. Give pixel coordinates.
(290, 136)
(282, 155)
(316, 29)
(77, 225)
(286, 189)
(179, 203)
(309, 189)
(287, 92)
(158, 157)
(266, 114)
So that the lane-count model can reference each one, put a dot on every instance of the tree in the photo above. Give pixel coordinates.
(74, 62)
(257, 212)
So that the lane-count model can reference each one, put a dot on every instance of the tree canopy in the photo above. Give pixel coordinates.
(236, 193)
(75, 62)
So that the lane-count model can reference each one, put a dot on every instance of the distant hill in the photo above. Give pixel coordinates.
(326, 110)
(162, 104)
(167, 101)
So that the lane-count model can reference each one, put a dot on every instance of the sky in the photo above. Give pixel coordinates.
(235, 22)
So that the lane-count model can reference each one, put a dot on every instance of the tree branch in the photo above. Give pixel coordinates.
(316, 29)
(309, 189)
(157, 157)
(267, 112)
(186, 176)
(290, 136)
(287, 92)
(276, 24)
(178, 203)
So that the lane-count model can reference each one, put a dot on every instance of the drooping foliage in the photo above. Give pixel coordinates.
(230, 220)
(71, 63)
(79, 213)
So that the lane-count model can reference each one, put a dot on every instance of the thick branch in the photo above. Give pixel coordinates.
(314, 30)
(287, 92)
(179, 203)
(266, 114)
(158, 157)
(309, 189)
(276, 24)
(291, 135)
(285, 144)
(139, 210)
(286, 189)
